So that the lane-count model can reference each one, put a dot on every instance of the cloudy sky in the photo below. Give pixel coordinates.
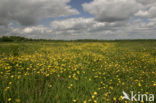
(78, 19)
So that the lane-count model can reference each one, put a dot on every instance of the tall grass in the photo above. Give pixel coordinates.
(82, 72)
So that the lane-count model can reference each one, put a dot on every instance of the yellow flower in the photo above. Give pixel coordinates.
(93, 96)
(19, 77)
(123, 83)
(10, 83)
(111, 88)
(121, 97)
(12, 76)
(139, 84)
(69, 76)
(9, 99)
(107, 100)
(74, 100)
(6, 88)
(95, 93)
(78, 72)
(114, 99)
(47, 75)
(50, 86)
(147, 93)
(95, 101)
(89, 100)
(17, 100)
(85, 101)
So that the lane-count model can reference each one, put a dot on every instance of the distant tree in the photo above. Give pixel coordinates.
(13, 39)
(6, 39)
(17, 38)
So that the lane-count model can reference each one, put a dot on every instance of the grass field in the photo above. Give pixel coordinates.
(80, 72)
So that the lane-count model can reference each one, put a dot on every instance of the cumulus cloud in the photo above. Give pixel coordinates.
(112, 10)
(148, 10)
(146, 2)
(113, 19)
(72, 24)
(89, 28)
(120, 10)
(29, 12)
(80, 26)
(142, 13)
(152, 11)
(4, 30)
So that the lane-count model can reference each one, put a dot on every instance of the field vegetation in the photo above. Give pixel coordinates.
(80, 72)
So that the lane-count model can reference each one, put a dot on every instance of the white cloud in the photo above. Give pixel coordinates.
(88, 28)
(112, 10)
(27, 30)
(152, 11)
(73, 23)
(29, 12)
(114, 19)
(146, 2)
(120, 10)
(141, 13)
(148, 11)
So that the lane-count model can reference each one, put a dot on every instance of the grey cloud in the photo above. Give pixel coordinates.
(146, 2)
(4, 30)
(148, 11)
(114, 19)
(88, 28)
(29, 12)
(120, 10)
(112, 10)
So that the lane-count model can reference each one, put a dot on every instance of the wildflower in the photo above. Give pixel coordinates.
(95, 101)
(99, 88)
(50, 86)
(9, 99)
(28, 68)
(89, 100)
(17, 100)
(93, 96)
(6, 88)
(114, 99)
(19, 77)
(123, 83)
(121, 97)
(107, 100)
(74, 100)
(111, 88)
(10, 83)
(139, 84)
(95, 93)
(69, 76)
(71, 85)
(12, 76)
(85, 101)
(47, 75)
(78, 72)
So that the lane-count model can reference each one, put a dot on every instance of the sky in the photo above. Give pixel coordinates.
(78, 19)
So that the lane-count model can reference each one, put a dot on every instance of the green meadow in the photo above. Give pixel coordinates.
(77, 71)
